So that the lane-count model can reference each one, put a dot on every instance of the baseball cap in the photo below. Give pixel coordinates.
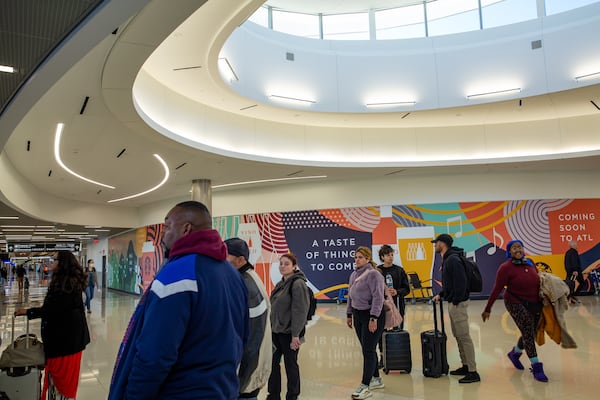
(237, 247)
(444, 238)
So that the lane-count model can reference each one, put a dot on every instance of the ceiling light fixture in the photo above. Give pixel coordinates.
(102, 230)
(17, 226)
(227, 70)
(9, 217)
(269, 180)
(496, 93)
(291, 100)
(59, 129)
(7, 69)
(165, 178)
(391, 104)
(92, 227)
(588, 77)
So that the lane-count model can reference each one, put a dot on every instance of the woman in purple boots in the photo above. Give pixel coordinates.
(522, 300)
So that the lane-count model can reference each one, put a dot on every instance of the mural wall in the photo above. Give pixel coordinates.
(325, 240)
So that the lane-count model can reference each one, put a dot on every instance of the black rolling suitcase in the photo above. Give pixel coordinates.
(435, 360)
(396, 351)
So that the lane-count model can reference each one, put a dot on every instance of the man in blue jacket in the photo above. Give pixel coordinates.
(186, 337)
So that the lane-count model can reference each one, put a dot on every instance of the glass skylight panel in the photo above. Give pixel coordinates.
(296, 24)
(452, 16)
(260, 17)
(400, 23)
(346, 26)
(558, 6)
(500, 13)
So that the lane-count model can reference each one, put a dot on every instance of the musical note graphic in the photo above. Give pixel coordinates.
(492, 250)
(460, 227)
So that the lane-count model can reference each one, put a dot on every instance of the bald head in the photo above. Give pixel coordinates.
(573, 244)
(184, 218)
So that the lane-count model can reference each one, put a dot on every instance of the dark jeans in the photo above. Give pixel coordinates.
(89, 295)
(368, 342)
(281, 342)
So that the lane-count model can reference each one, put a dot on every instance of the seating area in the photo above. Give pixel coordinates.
(423, 286)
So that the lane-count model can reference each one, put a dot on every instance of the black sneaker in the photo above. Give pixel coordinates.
(464, 370)
(470, 377)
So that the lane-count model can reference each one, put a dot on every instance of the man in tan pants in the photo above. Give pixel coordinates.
(455, 289)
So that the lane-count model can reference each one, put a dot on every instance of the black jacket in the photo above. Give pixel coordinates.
(400, 282)
(64, 327)
(454, 277)
(572, 262)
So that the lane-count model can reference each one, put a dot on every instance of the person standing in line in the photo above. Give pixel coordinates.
(255, 367)
(289, 309)
(573, 268)
(92, 282)
(522, 300)
(186, 337)
(455, 290)
(395, 278)
(65, 332)
(365, 314)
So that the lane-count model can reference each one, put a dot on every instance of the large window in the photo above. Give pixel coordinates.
(260, 16)
(446, 17)
(296, 24)
(499, 13)
(346, 26)
(400, 23)
(558, 6)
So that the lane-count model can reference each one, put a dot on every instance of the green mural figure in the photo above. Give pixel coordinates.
(131, 268)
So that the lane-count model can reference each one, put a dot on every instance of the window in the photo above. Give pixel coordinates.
(499, 13)
(558, 6)
(452, 16)
(260, 17)
(400, 23)
(346, 26)
(296, 24)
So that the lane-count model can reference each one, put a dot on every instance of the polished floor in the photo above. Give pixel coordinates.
(331, 360)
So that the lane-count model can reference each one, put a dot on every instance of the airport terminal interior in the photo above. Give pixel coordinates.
(308, 126)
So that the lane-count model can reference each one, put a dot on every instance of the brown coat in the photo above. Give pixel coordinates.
(553, 322)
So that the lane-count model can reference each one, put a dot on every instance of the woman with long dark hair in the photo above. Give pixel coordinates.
(522, 299)
(64, 328)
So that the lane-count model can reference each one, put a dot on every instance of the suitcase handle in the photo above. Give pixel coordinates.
(435, 324)
(12, 335)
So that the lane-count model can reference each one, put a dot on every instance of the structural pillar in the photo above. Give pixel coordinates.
(202, 192)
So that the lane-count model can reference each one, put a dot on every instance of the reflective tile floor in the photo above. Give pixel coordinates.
(331, 360)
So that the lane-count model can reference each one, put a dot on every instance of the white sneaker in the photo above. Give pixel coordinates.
(376, 383)
(362, 392)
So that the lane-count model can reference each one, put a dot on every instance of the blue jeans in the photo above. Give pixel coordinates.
(89, 295)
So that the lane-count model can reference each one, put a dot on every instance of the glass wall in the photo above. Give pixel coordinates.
(426, 18)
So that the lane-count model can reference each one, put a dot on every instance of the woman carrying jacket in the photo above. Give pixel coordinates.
(365, 313)
(523, 303)
(289, 309)
(64, 328)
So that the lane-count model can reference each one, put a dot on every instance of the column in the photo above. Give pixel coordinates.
(202, 192)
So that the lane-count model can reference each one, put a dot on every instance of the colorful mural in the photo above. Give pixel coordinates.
(325, 240)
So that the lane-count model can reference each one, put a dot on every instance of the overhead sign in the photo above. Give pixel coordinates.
(42, 247)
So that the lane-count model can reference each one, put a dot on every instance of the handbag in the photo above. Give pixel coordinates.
(26, 351)
(393, 319)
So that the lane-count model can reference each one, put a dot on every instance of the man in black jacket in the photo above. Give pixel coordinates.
(455, 290)
(573, 268)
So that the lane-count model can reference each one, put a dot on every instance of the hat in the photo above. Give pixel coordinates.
(509, 245)
(237, 247)
(444, 238)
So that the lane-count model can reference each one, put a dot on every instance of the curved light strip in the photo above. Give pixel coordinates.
(59, 129)
(269, 180)
(166, 177)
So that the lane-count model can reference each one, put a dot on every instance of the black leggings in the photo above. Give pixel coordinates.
(368, 342)
(527, 323)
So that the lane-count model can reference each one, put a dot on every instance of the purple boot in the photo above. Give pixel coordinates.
(537, 369)
(513, 356)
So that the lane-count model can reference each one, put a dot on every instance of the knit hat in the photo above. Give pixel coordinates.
(444, 238)
(509, 245)
(237, 247)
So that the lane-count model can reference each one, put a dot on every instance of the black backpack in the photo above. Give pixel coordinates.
(312, 305)
(475, 282)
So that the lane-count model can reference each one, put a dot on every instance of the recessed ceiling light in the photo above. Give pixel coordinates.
(391, 104)
(588, 77)
(9, 217)
(496, 93)
(269, 180)
(291, 100)
(6, 68)
(227, 70)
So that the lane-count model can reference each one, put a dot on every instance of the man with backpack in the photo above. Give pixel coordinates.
(455, 289)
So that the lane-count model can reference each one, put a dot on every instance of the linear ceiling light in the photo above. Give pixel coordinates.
(9, 217)
(59, 128)
(227, 70)
(165, 178)
(291, 100)
(587, 77)
(17, 226)
(391, 104)
(6, 68)
(493, 94)
(269, 180)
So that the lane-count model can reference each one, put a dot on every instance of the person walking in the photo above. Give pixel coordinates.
(65, 332)
(522, 301)
(92, 282)
(455, 290)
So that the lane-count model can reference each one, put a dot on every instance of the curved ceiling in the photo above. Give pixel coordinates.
(105, 69)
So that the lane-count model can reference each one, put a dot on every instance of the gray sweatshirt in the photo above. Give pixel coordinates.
(289, 305)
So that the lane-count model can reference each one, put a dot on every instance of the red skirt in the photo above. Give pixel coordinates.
(65, 374)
